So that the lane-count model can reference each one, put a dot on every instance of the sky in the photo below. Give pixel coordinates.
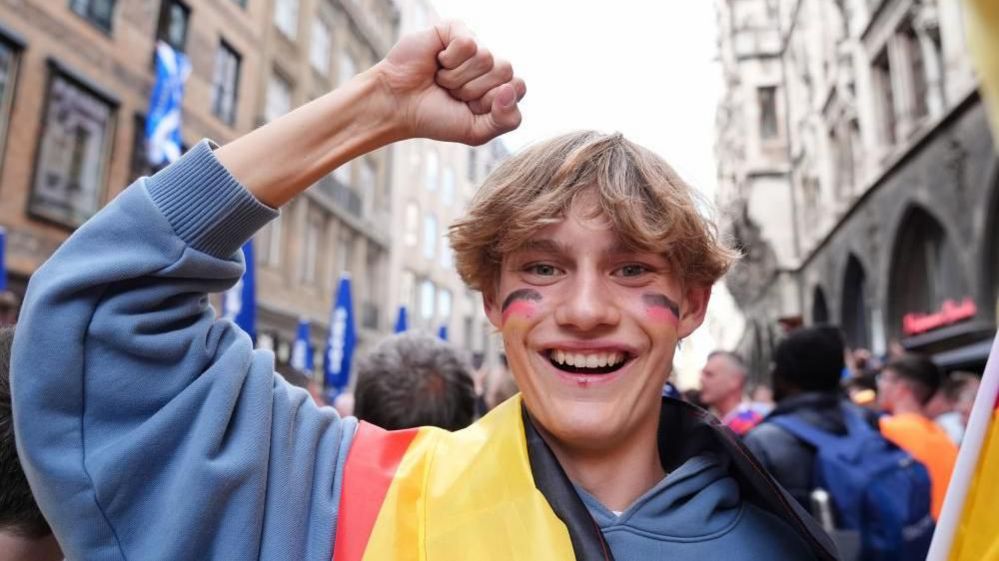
(645, 68)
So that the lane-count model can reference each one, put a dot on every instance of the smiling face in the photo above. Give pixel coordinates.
(589, 327)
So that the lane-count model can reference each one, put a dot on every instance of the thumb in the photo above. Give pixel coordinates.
(504, 115)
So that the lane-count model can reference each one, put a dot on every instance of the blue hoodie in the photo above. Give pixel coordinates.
(696, 514)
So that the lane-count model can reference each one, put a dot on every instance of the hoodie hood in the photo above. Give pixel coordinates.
(699, 500)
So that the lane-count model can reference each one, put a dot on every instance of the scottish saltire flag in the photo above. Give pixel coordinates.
(239, 303)
(163, 141)
(968, 528)
(401, 323)
(340, 342)
(442, 332)
(301, 352)
(3, 259)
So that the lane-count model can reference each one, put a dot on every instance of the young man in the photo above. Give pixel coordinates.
(723, 388)
(414, 379)
(905, 386)
(152, 431)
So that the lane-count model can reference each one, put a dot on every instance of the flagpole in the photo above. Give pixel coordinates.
(967, 459)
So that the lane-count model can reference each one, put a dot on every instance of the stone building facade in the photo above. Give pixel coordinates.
(857, 168)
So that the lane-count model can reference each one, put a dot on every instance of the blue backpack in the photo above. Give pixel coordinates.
(877, 489)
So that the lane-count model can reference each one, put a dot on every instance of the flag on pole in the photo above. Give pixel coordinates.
(301, 352)
(401, 323)
(442, 332)
(968, 528)
(239, 303)
(3, 259)
(340, 343)
(163, 140)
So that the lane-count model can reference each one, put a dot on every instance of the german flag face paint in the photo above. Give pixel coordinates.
(521, 303)
(661, 308)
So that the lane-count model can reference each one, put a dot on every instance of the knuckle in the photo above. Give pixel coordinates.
(504, 70)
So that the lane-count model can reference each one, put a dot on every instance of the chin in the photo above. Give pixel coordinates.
(583, 424)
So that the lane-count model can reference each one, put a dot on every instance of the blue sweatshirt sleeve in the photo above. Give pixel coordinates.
(148, 428)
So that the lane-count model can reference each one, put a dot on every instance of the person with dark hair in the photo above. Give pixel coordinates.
(723, 389)
(905, 387)
(414, 380)
(806, 380)
(24, 533)
(942, 407)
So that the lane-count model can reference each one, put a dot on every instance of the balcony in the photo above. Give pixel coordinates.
(749, 42)
(342, 196)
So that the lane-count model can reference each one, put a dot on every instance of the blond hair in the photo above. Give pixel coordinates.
(647, 203)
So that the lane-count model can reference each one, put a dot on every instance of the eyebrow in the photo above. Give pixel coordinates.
(544, 246)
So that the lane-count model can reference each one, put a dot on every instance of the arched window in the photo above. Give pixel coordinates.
(820, 311)
(925, 269)
(855, 316)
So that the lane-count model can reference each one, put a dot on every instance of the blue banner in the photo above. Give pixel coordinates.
(341, 341)
(163, 140)
(3, 259)
(401, 323)
(301, 352)
(442, 332)
(239, 303)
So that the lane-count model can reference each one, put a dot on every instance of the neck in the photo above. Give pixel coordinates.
(728, 404)
(907, 405)
(617, 476)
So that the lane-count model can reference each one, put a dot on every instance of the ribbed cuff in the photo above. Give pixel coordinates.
(207, 207)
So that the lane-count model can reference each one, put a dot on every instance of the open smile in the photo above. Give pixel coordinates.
(588, 363)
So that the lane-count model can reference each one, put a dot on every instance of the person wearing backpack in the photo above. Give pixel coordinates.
(873, 497)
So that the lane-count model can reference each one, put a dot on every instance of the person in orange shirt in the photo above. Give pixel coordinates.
(904, 387)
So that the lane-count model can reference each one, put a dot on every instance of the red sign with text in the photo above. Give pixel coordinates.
(950, 312)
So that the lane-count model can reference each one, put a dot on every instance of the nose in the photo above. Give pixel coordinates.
(587, 304)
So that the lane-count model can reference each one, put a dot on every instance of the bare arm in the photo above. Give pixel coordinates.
(437, 84)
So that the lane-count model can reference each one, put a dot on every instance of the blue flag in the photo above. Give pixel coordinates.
(301, 352)
(401, 324)
(341, 341)
(3, 259)
(163, 141)
(442, 332)
(239, 303)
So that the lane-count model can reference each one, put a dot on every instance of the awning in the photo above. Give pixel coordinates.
(971, 356)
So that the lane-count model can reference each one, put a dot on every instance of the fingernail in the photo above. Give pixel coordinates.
(507, 98)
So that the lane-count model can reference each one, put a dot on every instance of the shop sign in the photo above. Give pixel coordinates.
(950, 312)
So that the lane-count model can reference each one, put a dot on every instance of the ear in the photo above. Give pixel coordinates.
(492, 309)
(695, 306)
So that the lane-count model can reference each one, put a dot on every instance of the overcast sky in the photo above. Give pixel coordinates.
(645, 68)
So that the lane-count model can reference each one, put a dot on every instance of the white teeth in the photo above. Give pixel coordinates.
(579, 360)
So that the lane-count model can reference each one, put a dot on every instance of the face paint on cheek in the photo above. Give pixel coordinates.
(660, 308)
(520, 303)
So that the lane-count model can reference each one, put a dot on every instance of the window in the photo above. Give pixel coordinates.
(343, 174)
(768, 112)
(344, 252)
(427, 290)
(139, 166)
(447, 191)
(367, 183)
(269, 250)
(920, 82)
(429, 236)
(411, 236)
(8, 70)
(97, 12)
(73, 152)
(347, 70)
(278, 97)
(240, 3)
(314, 226)
(431, 170)
(172, 27)
(885, 97)
(286, 17)
(320, 47)
(407, 290)
(444, 306)
(225, 83)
